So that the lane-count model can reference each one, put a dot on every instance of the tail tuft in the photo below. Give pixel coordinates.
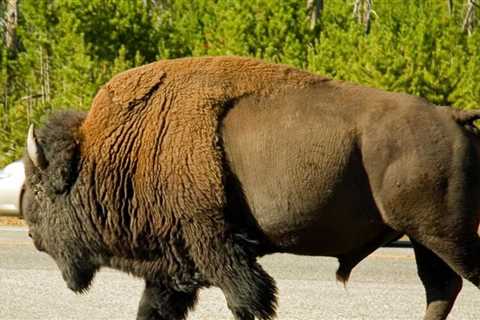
(465, 117)
(343, 274)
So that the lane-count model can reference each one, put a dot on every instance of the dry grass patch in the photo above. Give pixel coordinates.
(11, 221)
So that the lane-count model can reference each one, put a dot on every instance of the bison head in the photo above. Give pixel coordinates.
(51, 200)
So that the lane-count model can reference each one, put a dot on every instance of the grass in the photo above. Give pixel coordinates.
(11, 221)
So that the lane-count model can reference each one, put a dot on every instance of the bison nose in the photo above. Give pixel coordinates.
(29, 234)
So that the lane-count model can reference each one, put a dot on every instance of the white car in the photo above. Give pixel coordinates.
(11, 189)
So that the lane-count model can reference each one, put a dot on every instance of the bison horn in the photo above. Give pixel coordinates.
(34, 150)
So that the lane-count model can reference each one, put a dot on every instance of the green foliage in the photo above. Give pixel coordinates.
(418, 50)
(69, 48)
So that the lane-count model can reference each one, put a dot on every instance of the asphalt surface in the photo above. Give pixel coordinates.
(384, 286)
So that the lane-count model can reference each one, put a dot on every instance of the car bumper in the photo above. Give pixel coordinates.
(10, 194)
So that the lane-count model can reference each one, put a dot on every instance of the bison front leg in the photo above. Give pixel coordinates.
(441, 283)
(250, 292)
(160, 302)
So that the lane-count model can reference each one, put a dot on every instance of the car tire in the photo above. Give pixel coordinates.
(21, 203)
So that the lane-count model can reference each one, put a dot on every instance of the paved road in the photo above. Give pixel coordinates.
(384, 286)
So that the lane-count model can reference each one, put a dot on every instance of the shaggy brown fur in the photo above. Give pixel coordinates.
(152, 135)
(159, 124)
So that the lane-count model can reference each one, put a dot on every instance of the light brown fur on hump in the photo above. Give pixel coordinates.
(152, 137)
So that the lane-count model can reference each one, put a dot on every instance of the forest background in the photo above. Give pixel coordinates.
(55, 54)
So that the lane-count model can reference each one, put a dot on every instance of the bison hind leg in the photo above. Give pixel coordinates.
(441, 283)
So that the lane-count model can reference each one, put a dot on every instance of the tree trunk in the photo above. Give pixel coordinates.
(10, 40)
(450, 7)
(470, 15)
(362, 10)
(314, 9)
(11, 21)
(45, 74)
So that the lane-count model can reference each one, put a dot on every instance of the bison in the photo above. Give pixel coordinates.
(185, 171)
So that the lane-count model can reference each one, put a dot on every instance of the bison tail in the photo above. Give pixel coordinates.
(465, 117)
(343, 274)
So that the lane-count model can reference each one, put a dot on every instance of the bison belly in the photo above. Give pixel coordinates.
(301, 175)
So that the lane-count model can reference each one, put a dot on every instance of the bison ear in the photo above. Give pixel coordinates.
(35, 150)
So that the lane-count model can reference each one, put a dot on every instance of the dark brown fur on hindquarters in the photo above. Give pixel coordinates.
(160, 302)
